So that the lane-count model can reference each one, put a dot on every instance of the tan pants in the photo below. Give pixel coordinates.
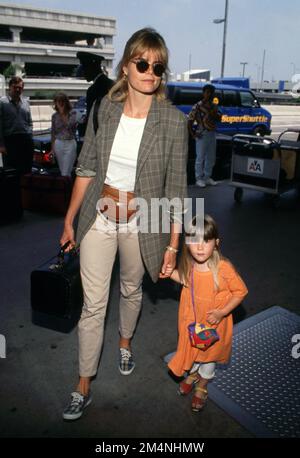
(97, 255)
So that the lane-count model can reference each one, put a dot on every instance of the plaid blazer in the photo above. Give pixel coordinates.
(161, 168)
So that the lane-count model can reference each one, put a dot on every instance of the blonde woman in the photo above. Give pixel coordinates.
(212, 290)
(63, 131)
(140, 151)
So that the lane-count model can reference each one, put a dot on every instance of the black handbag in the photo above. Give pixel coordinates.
(56, 287)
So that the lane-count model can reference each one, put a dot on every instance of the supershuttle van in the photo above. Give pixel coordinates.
(241, 112)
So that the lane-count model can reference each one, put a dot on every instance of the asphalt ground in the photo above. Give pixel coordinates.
(40, 368)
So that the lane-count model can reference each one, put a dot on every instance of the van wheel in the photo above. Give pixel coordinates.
(259, 130)
(238, 195)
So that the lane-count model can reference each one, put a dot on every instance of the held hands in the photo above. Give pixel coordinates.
(169, 264)
(214, 317)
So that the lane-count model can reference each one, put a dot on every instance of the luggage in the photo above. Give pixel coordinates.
(56, 286)
(10, 195)
(48, 192)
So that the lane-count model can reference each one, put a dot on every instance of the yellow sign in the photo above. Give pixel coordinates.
(244, 118)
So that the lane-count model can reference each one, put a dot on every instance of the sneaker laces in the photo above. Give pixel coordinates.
(125, 354)
(77, 398)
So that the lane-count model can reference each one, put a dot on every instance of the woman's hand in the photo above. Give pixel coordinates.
(169, 264)
(215, 316)
(68, 236)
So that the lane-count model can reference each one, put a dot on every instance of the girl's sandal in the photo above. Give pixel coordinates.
(186, 388)
(198, 402)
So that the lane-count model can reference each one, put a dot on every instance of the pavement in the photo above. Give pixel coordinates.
(40, 368)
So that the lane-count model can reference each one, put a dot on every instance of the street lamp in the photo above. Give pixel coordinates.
(219, 21)
(244, 65)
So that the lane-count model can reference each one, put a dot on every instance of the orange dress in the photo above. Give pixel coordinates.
(206, 299)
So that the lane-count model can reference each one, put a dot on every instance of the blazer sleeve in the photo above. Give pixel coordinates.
(87, 159)
(176, 176)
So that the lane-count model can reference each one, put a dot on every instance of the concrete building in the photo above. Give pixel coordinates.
(42, 43)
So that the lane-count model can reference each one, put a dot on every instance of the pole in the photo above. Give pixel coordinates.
(263, 69)
(244, 65)
(224, 39)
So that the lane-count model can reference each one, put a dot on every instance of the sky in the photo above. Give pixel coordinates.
(192, 37)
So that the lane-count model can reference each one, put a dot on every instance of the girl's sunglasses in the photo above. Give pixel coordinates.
(142, 66)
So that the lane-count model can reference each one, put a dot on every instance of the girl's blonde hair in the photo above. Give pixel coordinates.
(186, 260)
(146, 39)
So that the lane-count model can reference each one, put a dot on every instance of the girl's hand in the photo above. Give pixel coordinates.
(215, 316)
(168, 264)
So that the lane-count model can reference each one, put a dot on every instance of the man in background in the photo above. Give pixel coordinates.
(92, 71)
(16, 144)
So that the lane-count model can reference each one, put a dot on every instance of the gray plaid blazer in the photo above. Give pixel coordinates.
(161, 168)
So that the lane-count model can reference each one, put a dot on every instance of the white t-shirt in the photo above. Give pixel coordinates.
(123, 157)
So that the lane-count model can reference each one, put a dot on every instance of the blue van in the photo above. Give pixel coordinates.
(241, 112)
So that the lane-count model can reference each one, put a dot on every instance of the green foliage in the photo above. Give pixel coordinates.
(11, 70)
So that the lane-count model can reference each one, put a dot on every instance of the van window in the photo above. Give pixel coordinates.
(247, 99)
(230, 98)
(189, 96)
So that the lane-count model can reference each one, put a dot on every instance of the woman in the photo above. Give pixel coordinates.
(63, 130)
(140, 149)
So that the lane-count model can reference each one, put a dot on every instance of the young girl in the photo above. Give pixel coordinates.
(217, 290)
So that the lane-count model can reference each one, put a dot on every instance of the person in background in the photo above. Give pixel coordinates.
(212, 289)
(63, 134)
(139, 152)
(90, 68)
(16, 144)
(205, 115)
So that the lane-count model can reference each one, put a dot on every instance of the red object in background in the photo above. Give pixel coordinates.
(44, 158)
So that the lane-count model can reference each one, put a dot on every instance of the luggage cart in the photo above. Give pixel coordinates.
(263, 164)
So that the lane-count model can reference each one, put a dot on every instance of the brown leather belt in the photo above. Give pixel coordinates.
(114, 204)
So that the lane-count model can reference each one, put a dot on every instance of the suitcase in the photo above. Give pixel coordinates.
(48, 192)
(10, 196)
(56, 287)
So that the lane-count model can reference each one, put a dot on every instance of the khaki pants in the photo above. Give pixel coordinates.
(97, 255)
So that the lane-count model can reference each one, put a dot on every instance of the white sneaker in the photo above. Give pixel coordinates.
(200, 183)
(210, 182)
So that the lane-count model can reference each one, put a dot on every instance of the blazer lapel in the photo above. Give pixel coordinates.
(149, 136)
(108, 131)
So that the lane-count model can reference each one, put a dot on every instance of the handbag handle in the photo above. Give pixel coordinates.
(61, 253)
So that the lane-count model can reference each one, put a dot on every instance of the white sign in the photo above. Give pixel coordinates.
(255, 165)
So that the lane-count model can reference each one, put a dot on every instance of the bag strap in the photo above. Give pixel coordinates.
(192, 290)
(95, 114)
(193, 297)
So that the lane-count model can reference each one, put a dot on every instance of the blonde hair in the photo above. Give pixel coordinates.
(186, 260)
(146, 39)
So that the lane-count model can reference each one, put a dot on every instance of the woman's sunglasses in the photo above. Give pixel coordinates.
(142, 66)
